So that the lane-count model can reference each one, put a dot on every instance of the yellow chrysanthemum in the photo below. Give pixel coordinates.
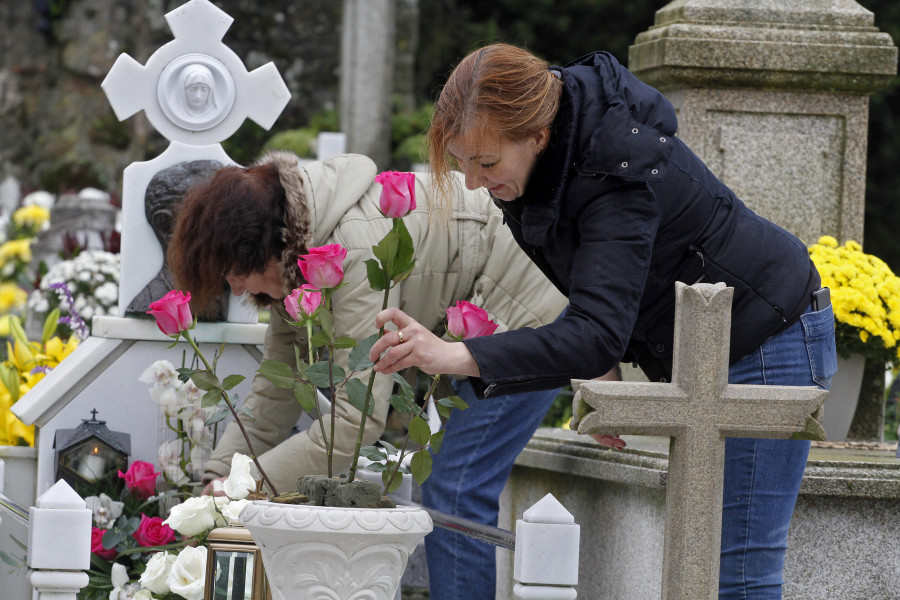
(865, 293)
(31, 216)
(16, 249)
(12, 298)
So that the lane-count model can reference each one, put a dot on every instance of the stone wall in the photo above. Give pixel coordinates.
(57, 130)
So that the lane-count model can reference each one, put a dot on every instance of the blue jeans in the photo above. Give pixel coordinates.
(479, 448)
(762, 477)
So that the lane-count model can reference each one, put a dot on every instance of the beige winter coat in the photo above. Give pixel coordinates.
(471, 256)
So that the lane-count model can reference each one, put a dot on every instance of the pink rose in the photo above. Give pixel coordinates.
(140, 479)
(152, 532)
(97, 545)
(398, 193)
(173, 315)
(465, 320)
(323, 267)
(303, 302)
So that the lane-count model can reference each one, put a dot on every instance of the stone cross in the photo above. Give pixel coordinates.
(698, 410)
(196, 92)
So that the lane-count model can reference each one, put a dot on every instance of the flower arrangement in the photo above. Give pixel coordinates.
(92, 282)
(27, 363)
(139, 554)
(16, 236)
(865, 296)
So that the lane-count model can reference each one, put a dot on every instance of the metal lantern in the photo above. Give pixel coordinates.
(234, 568)
(90, 453)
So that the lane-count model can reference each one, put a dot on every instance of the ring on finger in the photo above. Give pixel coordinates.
(400, 335)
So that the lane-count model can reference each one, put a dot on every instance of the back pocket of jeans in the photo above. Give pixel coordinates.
(818, 328)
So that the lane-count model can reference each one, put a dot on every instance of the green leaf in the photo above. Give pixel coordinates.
(375, 467)
(112, 538)
(436, 440)
(420, 465)
(320, 339)
(373, 453)
(391, 450)
(405, 389)
(205, 380)
(359, 356)
(231, 381)
(386, 251)
(344, 342)
(210, 398)
(386, 476)
(184, 374)
(453, 402)
(326, 321)
(419, 432)
(306, 396)
(217, 416)
(405, 248)
(356, 393)
(246, 411)
(318, 374)
(444, 411)
(377, 279)
(280, 374)
(50, 325)
(402, 405)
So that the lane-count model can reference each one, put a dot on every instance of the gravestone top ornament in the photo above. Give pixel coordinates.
(698, 410)
(195, 90)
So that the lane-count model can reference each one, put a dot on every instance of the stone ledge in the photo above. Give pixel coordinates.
(832, 471)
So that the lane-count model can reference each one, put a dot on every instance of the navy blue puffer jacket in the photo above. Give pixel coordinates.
(617, 210)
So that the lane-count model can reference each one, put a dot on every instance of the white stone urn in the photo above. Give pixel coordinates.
(329, 553)
(840, 406)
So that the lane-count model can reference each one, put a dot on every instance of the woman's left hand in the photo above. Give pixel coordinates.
(412, 344)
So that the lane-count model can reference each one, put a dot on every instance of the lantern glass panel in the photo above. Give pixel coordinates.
(234, 575)
(92, 459)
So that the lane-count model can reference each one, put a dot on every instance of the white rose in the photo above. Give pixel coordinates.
(155, 575)
(240, 482)
(142, 595)
(39, 198)
(233, 509)
(195, 516)
(188, 574)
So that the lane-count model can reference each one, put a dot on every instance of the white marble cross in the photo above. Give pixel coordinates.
(196, 92)
(195, 89)
(699, 409)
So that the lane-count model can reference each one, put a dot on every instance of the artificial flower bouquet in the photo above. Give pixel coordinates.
(138, 554)
(865, 296)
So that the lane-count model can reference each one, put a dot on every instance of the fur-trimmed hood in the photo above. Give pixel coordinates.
(317, 196)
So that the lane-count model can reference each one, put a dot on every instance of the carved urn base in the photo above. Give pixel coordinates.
(328, 553)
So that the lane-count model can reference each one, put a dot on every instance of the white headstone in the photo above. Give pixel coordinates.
(196, 92)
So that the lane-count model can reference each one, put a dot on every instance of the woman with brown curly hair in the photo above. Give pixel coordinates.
(245, 229)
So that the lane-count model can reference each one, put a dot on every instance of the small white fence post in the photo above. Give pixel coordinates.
(59, 543)
(546, 561)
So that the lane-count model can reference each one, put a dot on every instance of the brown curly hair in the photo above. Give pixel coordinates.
(231, 224)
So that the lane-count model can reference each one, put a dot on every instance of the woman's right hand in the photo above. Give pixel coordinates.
(413, 344)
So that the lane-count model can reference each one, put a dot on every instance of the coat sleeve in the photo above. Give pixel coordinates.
(616, 231)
